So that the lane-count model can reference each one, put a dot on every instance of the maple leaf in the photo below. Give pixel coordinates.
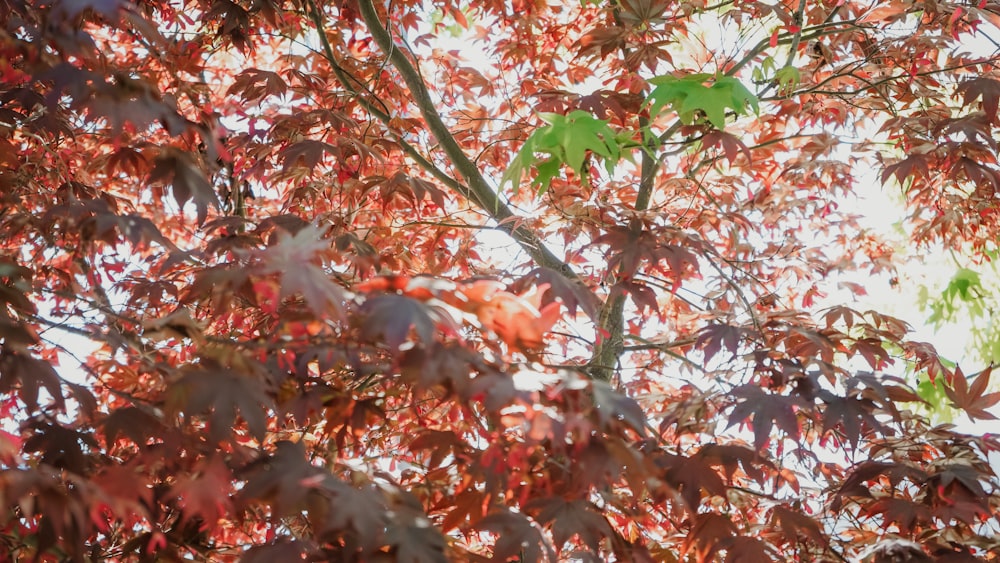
(16, 281)
(126, 489)
(294, 258)
(204, 495)
(731, 145)
(417, 542)
(411, 188)
(643, 13)
(309, 152)
(641, 294)
(606, 104)
(468, 505)
(631, 247)
(848, 414)
(613, 406)
(314, 284)
(133, 423)
(745, 549)
(957, 493)
(886, 12)
(189, 182)
(567, 139)
(31, 375)
(136, 229)
(212, 389)
(707, 535)
(572, 518)
(767, 411)
(60, 446)
(972, 399)
(391, 318)
(975, 172)
(556, 286)
(714, 336)
(283, 550)
(688, 95)
(519, 537)
(905, 513)
(795, 525)
(254, 84)
(964, 475)
(361, 513)
(601, 41)
(689, 477)
(984, 88)
(731, 457)
(517, 320)
(70, 9)
(443, 444)
(279, 478)
(855, 483)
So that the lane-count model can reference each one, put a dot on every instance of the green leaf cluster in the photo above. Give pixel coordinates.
(566, 140)
(966, 288)
(690, 97)
(968, 303)
(786, 77)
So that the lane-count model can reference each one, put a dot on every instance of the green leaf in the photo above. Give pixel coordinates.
(965, 285)
(567, 140)
(788, 78)
(670, 90)
(689, 95)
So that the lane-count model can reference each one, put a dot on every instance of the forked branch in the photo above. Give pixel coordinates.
(478, 189)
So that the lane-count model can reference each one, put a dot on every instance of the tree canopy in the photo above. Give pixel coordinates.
(423, 281)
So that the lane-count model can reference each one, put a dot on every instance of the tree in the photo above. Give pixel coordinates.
(272, 235)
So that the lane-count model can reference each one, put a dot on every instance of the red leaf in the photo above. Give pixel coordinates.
(309, 152)
(707, 535)
(767, 410)
(985, 89)
(794, 525)
(295, 259)
(557, 286)
(972, 399)
(518, 537)
(612, 407)
(572, 518)
(731, 145)
(689, 477)
(204, 495)
(254, 84)
(222, 394)
(392, 317)
(189, 183)
(714, 336)
(914, 165)
(31, 374)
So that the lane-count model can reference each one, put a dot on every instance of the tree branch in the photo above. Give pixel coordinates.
(611, 345)
(476, 188)
(813, 32)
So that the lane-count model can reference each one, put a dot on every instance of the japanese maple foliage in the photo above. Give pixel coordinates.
(426, 281)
